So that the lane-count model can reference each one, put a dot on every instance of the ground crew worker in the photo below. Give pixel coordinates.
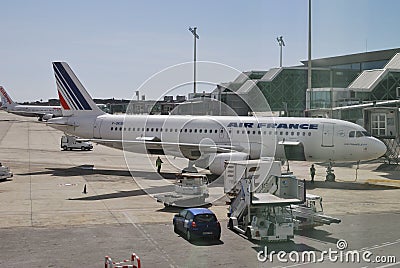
(158, 164)
(312, 173)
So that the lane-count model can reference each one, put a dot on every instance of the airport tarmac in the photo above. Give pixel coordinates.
(46, 220)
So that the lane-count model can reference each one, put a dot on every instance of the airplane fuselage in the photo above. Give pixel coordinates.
(310, 139)
(33, 110)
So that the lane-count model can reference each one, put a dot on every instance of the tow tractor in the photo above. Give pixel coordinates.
(5, 172)
(311, 214)
(190, 190)
(260, 199)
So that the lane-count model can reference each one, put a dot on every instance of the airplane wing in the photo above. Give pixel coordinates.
(154, 144)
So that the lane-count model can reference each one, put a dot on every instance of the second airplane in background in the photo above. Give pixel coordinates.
(41, 112)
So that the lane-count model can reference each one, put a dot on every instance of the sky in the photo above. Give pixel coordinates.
(117, 47)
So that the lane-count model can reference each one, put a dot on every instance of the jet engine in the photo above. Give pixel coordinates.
(47, 117)
(217, 164)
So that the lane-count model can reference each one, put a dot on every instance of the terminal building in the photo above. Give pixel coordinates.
(363, 88)
(336, 82)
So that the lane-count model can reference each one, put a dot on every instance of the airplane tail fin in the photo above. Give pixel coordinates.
(74, 98)
(6, 101)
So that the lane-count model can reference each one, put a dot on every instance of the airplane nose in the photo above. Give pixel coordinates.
(380, 148)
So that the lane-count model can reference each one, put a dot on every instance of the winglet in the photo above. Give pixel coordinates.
(74, 98)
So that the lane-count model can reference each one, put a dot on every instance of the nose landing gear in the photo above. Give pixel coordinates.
(330, 176)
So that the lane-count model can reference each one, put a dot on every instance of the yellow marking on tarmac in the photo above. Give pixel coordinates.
(383, 181)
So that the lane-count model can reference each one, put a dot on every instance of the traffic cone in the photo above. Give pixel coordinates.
(84, 189)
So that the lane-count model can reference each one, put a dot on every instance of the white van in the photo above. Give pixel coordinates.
(71, 142)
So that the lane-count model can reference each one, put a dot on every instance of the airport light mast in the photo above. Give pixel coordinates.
(281, 44)
(196, 36)
(309, 67)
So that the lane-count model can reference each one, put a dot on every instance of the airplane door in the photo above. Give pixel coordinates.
(327, 134)
(96, 129)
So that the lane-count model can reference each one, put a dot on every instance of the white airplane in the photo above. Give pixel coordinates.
(42, 112)
(207, 141)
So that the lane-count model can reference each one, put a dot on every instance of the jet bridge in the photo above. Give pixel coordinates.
(260, 199)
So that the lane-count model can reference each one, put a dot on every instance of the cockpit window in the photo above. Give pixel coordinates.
(358, 134)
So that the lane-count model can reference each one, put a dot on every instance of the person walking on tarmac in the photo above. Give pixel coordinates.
(158, 164)
(312, 173)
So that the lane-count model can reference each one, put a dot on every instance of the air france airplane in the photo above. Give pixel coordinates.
(207, 141)
(42, 112)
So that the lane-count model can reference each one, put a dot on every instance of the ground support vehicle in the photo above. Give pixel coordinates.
(261, 198)
(310, 214)
(5, 173)
(72, 142)
(190, 190)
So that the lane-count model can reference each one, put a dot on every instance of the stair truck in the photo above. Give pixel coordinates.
(261, 197)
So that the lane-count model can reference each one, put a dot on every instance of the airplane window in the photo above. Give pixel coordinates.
(265, 132)
(230, 131)
(287, 133)
(298, 133)
(216, 131)
(147, 129)
(248, 131)
(270, 133)
(112, 128)
(309, 133)
(243, 132)
(120, 128)
(195, 130)
(292, 133)
(259, 132)
(190, 130)
(254, 132)
(129, 129)
(156, 129)
(222, 131)
(359, 134)
(176, 130)
(180, 130)
(152, 129)
(237, 131)
(205, 131)
(142, 128)
(352, 134)
(185, 129)
(124, 128)
(304, 133)
(211, 131)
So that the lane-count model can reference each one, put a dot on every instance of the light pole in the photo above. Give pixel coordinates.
(309, 67)
(196, 36)
(281, 44)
